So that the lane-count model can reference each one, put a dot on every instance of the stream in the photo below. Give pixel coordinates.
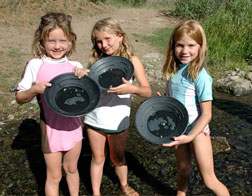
(152, 168)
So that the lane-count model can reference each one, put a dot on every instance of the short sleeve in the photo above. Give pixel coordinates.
(76, 64)
(30, 74)
(203, 84)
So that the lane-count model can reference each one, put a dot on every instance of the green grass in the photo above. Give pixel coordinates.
(159, 38)
(228, 27)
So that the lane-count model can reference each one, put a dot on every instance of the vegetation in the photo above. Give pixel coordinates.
(122, 2)
(228, 26)
(9, 10)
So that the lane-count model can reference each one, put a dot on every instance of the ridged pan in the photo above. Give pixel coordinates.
(108, 71)
(71, 96)
(160, 118)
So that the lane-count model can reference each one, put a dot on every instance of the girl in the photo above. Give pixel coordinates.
(54, 40)
(189, 82)
(110, 121)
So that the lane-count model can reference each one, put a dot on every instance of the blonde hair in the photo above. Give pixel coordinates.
(48, 23)
(110, 26)
(194, 30)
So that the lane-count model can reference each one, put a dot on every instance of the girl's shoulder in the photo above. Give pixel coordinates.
(76, 64)
(35, 61)
(136, 60)
(203, 76)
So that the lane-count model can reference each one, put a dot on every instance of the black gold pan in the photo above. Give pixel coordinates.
(70, 96)
(160, 118)
(108, 71)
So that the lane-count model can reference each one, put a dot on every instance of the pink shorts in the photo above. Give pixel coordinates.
(206, 131)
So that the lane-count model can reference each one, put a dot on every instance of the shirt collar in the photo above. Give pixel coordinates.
(183, 65)
(54, 61)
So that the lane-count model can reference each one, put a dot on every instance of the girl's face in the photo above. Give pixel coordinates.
(56, 44)
(108, 43)
(186, 49)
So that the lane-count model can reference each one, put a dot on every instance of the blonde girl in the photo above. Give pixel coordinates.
(53, 42)
(189, 82)
(110, 121)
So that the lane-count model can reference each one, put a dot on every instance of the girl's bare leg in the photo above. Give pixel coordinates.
(184, 165)
(202, 149)
(70, 165)
(117, 145)
(53, 173)
(97, 142)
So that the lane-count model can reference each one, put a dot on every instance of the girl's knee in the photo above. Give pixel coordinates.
(210, 180)
(118, 161)
(185, 169)
(54, 176)
(70, 169)
(98, 160)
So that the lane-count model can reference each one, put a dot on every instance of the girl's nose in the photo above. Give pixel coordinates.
(185, 49)
(57, 45)
(104, 44)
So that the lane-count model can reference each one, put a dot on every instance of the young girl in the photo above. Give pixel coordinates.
(189, 82)
(110, 121)
(54, 40)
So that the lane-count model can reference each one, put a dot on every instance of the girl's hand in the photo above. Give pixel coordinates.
(125, 88)
(80, 73)
(28, 95)
(158, 93)
(182, 139)
(39, 88)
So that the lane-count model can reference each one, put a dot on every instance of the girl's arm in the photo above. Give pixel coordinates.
(142, 89)
(204, 119)
(27, 95)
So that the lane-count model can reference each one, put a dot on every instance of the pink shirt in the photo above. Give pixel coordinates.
(62, 132)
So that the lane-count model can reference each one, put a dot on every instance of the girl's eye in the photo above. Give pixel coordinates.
(51, 41)
(63, 41)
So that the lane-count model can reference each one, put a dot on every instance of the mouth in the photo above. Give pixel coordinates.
(184, 57)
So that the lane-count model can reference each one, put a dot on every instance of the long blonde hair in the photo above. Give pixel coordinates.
(48, 23)
(110, 26)
(194, 30)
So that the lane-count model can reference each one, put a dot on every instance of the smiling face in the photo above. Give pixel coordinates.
(56, 44)
(186, 49)
(108, 43)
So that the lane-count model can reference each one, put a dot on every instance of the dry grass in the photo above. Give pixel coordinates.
(25, 12)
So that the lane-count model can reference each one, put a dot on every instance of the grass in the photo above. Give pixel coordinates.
(9, 10)
(228, 26)
(159, 38)
(153, 4)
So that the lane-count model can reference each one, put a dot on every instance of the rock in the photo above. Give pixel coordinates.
(249, 76)
(220, 144)
(237, 83)
(2, 123)
(11, 117)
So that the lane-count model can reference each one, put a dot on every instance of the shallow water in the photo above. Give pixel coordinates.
(152, 168)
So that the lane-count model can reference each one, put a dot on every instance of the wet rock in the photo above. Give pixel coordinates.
(11, 117)
(220, 144)
(2, 123)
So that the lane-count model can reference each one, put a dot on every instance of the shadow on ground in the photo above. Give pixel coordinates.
(28, 138)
